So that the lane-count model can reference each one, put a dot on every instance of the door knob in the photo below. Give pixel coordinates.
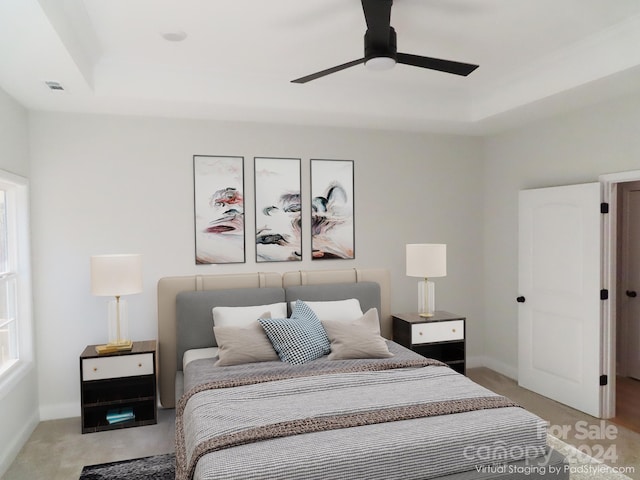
(632, 293)
(520, 299)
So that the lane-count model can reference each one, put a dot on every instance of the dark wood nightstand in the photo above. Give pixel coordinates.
(118, 383)
(441, 336)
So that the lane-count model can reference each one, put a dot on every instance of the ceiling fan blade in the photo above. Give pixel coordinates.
(328, 71)
(377, 13)
(448, 66)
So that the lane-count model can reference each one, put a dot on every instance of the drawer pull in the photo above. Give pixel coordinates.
(453, 330)
(95, 369)
(139, 365)
(420, 333)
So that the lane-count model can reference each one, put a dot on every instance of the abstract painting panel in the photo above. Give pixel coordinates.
(278, 209)
(332, 222)
(219, 209)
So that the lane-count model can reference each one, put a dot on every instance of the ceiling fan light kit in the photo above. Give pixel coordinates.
(379, 56)
(380, 47)
(380, 63)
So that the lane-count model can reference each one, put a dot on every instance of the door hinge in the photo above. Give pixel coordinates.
(604, 294)
(604, 380)
(604, 207)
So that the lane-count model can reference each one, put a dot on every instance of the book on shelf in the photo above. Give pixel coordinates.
(120, 415)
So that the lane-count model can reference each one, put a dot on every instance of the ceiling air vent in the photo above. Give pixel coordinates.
(54, 86)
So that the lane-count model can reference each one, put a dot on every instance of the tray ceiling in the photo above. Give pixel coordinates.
(238, 57)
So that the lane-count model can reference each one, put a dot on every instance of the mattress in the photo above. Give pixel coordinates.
(418, 448)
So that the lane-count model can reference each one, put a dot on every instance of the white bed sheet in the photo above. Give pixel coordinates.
(197, 354)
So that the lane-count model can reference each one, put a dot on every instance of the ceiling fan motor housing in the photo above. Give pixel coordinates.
(377, 50)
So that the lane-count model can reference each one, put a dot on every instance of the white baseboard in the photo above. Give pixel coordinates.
(493, 364)
(61, 410)
(10, 452)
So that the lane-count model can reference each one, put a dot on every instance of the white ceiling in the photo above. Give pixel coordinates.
(536, 57)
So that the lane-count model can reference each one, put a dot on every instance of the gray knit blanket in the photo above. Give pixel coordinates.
(272, 425)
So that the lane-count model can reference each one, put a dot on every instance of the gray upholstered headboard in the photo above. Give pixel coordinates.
(188, 300)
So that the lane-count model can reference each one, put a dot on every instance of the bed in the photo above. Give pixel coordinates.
(387, 413)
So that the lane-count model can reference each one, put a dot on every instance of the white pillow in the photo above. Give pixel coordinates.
(244, 316)
(346, 310)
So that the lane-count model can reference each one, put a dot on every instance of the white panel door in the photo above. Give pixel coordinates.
(559, 288)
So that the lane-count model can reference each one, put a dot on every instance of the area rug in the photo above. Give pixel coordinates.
(157, 467)
(162, 467)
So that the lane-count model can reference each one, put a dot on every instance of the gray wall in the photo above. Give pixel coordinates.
(107, 184)
(566, 149)
(19, 395)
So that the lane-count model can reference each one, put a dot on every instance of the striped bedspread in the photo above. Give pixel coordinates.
(360, 422)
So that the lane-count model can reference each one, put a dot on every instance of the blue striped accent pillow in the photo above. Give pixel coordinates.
(298, 339)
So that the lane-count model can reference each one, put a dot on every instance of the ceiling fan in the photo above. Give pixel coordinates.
(380, 47)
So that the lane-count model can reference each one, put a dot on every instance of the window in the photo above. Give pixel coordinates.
(15, 287)
(8, 334)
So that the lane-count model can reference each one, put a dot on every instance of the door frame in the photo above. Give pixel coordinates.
(609, 188)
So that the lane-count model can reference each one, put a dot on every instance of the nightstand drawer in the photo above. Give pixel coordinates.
(437, 331)
(117, 366)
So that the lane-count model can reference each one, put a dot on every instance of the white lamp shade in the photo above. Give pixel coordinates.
(426, 260)
(115, 275)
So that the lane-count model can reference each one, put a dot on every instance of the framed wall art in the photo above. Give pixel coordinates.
(219, 209)
(278, 209)
(332, 222)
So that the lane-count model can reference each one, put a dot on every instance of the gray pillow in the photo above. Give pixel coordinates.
(246, 344)
(358, 338)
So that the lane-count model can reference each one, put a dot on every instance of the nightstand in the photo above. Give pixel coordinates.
(441, 336)
(118, 390)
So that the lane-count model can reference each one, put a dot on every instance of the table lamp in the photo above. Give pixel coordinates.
(426, 260)
(114, 276)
